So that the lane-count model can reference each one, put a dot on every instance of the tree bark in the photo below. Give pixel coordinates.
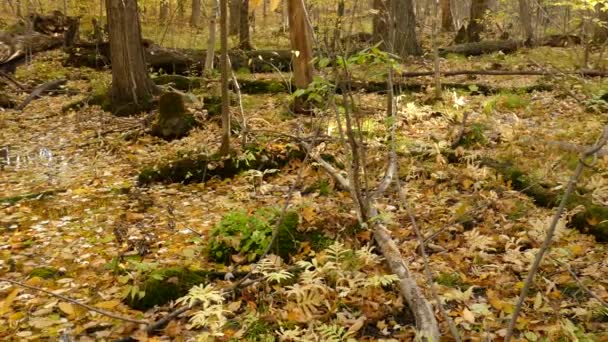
(209, 57)
(163, 12)
(195, 16)
(406, 43)
(225, 146)
(301, 43)
(447, 22)
(132, 89)
(380, 28)
(600, 34)
(244, 34)
(476, 27)
(525, 16)
(235, 17)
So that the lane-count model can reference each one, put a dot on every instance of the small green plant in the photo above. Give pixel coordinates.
(248, 235)
(474, 135)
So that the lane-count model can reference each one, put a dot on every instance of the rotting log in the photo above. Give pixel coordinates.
(19, 46)
(181, 61)
(481, 48)
(200, 168)
(593, 219)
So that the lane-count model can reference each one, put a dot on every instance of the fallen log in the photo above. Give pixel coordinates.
(43, 88)
(481, 48)
(181, 61)
(582, 72)
(17, 47)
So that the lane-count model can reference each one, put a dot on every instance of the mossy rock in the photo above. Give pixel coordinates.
(165, 285)
(200, 168)
(45, 273)
(173, 120)
(178, 82)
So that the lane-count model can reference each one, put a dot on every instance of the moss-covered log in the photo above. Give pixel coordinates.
(592, 220)
(200, 168)
(480, 48)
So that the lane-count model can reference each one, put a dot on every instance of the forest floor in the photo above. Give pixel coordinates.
(484, 233)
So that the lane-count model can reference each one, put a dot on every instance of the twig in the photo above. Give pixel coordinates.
(74, 301)
(460, 135)
(547, 242)
(580, 283)
(37, 92)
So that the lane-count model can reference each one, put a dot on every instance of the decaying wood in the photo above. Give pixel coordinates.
(481, 48)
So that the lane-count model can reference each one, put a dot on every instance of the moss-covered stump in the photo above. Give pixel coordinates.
(173, 120)
(592, 220)
(200, 168)
(178, 82)
(165, 285)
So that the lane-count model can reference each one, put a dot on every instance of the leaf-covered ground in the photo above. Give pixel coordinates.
(481, 234)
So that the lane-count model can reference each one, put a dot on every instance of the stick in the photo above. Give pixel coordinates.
(74, 301)
(547, 242)
(37, 92)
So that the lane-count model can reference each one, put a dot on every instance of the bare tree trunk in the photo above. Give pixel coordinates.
(525, 16)
(447, 22)
(132, 89)
(406, 42)
(244, 34)
(163, 12)
(211, 40)
(225, 147)
(478, 9)
(600, 33)
(380, 27)
(181, 10)
(195, 16)
(301, 44)
(235, 17)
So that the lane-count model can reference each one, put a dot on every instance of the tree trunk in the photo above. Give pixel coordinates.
(132, 89)
(478, 9)
(406, 42)
(195, 16)
(235, 17)
(225, 147)
(181, 10)
(525, 16)
(600, 34)
(301, 44)
(244, 35)
(447, 22)
(163, 12)
(208, 68)
(380, 28)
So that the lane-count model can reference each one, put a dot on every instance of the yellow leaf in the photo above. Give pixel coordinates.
(110, 304)
(6, 303)
(67, 308)
(274, 4)
(308, 213)
(468, 315)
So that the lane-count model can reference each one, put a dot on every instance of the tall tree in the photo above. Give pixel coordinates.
(132, 90)
(301, 43)
(476, 27)
(225, 147)
(235, 17)
(163, 12)
(379, 23)
(405, 42)
(195, 16)
(600, 34)
(447, 22)
(525, 17)
(244, 33)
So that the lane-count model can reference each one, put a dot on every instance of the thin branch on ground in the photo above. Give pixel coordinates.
(75, 302)
(580, 283)
(552, 227)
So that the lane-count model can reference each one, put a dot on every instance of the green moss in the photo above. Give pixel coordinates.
(475, 135)
(249, 235)
(259, 331)
(178, 82)
(165, 285)
(449, 280)
(44, 273)
(319, 241)
(573, 291)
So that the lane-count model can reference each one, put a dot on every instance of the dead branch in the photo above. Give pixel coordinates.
(75, 302)
(582, 72)
(37, 92)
